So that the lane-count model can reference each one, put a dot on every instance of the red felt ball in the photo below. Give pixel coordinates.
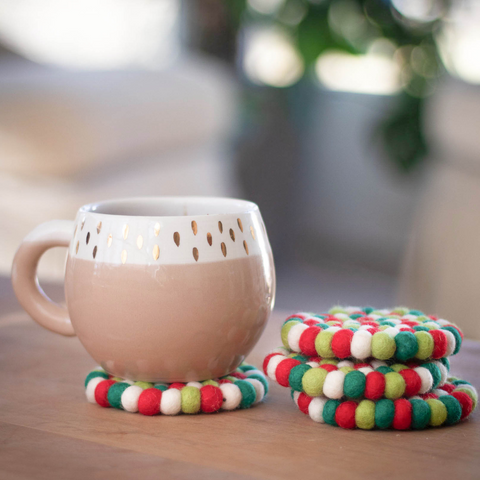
(345, 414)
(374, 385)
(406, 329)
(440, 343)
(311, 322)
(267, 359)
(465, 401)
(373, 330)
(224, 380)
(101, 392)
(448, 387)
(357, 366)
(149, 401)
(426, 396)
(283, 370)
(315, 359)
(372, 323)
(413, 382)
(307, 340)
(303, 402)
(177, 385)
(402, 418)
(341, 341)
(302, 316)
(410, 323)
(433, 317)
(329, 367)
(211, 399)
(238, 375)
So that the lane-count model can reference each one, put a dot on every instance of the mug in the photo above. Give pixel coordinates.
(165, 289)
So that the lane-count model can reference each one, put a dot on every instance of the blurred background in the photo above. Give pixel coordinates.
(354, 124)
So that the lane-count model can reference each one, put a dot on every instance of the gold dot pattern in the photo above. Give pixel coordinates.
(82, 224)
(109, 240)
(224, 249)
(156, 229)
(195, 254)
(156, 252)
(176, 238)
(252, 231)
(194, 227)
(245, 246)
(126, 228)
(139, 242)
(76, 248)
(209, 238)
(88, 237)
(240, 225)
(232, 234)
(220, 227)
(99, 227)
(124, 256)
(94, 251)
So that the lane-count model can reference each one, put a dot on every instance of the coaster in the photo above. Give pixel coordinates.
(361, 333)
(244, 387)
(444, 406)
(335, 379)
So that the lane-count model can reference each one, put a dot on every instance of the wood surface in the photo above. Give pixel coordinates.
(48, 430)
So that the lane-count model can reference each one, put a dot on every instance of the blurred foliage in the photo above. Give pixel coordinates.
(317, 26)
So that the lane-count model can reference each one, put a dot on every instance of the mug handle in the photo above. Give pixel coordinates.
(32, 298)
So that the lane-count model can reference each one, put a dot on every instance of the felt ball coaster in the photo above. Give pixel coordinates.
(353, 332)
(244, 387)
(444, 406)
(371, 380)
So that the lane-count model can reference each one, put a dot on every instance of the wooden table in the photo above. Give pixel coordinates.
(48, 430)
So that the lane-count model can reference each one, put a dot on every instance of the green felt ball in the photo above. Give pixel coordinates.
(388, 323)
(368, 310)
(398, 367)
(285, 329)
(301, 358)
(454, 409)
(425, 345)
(365, 415)
(144, 385)
(446, 363)
(458, 338)
(246, 368)
(296, 375)
(191, 400)
(161, 387)
(436, 373)
(323, 326)
(416, 312)
(384, 369)
(329, 411)
(95, 374)
(356, 315)
(323, 344)
(384, 412)
(354, 384)
(394, 385)
(420, 328)
(383, 346)
(261, 379)
(313, 380)
(438, 411)
(248, 393)
(420, 413)
(114, 395)
(407, 346)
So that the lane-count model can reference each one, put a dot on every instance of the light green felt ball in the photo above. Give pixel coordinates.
(329, 361)
(471, 393)
(398, 367)
(346, 369)
(285, 329)
(190, 400)
(383, 346)
(210, 382)
(337, 309)
(438, 411)
(365, 415)
(144, 385)
(425, 345)
(323, 344)
(313, 380)
(394, 385)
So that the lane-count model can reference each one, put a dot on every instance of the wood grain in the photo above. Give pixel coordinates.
(48, 430)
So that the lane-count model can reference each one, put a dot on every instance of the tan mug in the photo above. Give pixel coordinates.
(166, 289)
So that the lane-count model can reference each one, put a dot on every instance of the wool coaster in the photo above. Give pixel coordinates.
(244, 387)
(336, 379)
(361, 333)
(444, 406)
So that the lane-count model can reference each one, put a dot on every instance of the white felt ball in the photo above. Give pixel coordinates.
(232, 396)
(443, 322)
(171, 402)
(273, 364)
(366, 370)
(90, 390)
(377, 363)
(194, 384)
(294, 336)
(253, 372)
(374, 316)
(333, 385)
(295, 397)
(315, 409)
(450, 342)
(129, 398)
(426, 377)
(333, 329)
(342, 317)
(259, 389)
(313, 364)
(361, 346)
(352, 309)
(345, 363)
(415, 397)
(409, 317)
(392, 331)
(282, 350)
(439, 392)
(364, 327)
(443, 372)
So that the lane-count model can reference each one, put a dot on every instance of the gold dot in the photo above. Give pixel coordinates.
(224, 249)
(124, 256)
(220, 227)
(194, 227)
(82, 224)
(240, 226)
(209, 238)
(232, 234)
(75, 231)
(140, 242)
(156, 229)
(252, 231)
(109, 240)
(88, 237)
(76, 248)
(245, 246)
(156, 252)
(176, 238)
(126, 228)
(99, 227)
(94, 251)
(195, 254)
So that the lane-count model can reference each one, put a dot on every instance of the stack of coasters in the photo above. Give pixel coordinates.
(244, 387)
(365, 368)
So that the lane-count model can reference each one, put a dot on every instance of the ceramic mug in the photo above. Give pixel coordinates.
(167, 289)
